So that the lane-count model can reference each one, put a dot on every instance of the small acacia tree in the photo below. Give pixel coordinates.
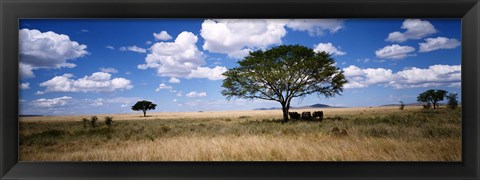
(283, 73)
(452, 100)
(85, 122)
(432, 96)
(401, 105)
(144, 106)
(93, 121)
(109, 120)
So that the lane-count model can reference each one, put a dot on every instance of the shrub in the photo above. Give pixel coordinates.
(150, 137)
(164, 129)
(401, 105)
(93, 121)
(442, 132)
(377, 132)
(85, 122)
(108, 121)
(452, 100)
(45, 138)
(339, 132)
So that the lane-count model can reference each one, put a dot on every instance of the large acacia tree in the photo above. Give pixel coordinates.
(432, 96)
(144, 106)
(283, 73)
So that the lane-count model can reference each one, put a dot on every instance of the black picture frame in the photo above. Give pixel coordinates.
(12, 10)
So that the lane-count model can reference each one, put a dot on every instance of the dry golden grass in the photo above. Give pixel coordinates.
(374, 134)
(261, 148)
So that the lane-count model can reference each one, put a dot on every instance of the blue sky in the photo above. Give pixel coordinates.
(91, 66)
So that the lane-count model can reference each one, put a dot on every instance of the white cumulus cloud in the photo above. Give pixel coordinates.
(163, 36)
(54, 102)
(109, 70)
(315, 27)
(209, 73)
(174, 80)
(25, 85)
(395, 51)
(175, 59)
(26, 70)
(414, 29)
(359, 78)
(437, 43)
(180, 59)
(195, 94)
(328, 48)
(46, 50)
(433, 76)
(97, 102)
(97, 82)
(133, 49)
(237, 37)
(163, 86)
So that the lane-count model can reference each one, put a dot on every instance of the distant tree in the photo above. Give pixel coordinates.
(438, 96)
(401, 105)
(432, 96)
(93, 121)
(109, 121)
(425, 97)
(144, 106)
(85, 122)
(452, 100)
(283, 73)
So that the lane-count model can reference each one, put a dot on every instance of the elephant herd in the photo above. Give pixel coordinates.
(306, 115)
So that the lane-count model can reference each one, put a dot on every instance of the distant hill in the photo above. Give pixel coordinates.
(28, 115)
(301, 107)
(313, 106)
(413, 104)
(320, 106)
(272, 108)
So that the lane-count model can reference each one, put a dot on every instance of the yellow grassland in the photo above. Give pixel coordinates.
(373, 134)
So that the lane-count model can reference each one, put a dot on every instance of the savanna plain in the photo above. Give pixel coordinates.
(344, 134)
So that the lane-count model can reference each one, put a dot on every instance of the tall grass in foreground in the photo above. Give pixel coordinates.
(408, 135)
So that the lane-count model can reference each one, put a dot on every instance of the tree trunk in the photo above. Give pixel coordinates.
(144, 113)
(285, 112)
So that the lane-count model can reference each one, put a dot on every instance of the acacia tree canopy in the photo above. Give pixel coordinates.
(283, 73)
(144, 106)
(432, 96)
